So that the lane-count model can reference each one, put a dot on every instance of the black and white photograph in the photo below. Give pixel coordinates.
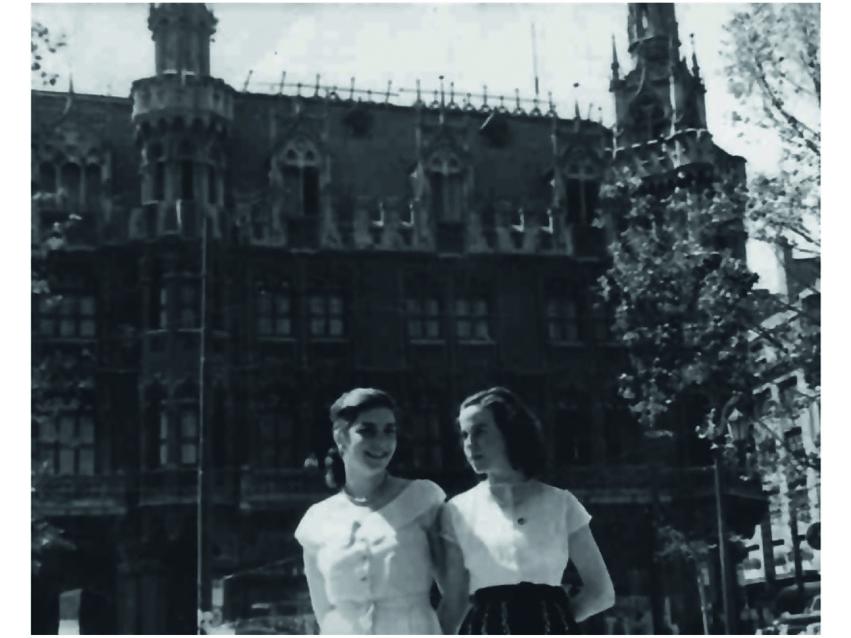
(425, 318)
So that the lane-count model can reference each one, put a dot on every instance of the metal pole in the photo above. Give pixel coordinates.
(723, 550)
(203, 594)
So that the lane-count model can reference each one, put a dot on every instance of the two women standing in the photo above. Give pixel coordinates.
(497, 552)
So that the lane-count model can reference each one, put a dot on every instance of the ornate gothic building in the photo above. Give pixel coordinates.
(240, 259)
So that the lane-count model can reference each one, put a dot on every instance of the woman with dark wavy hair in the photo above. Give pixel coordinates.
(508, 540)
(368, 549)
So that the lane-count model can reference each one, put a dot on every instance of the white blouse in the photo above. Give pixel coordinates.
(371, 571)
(516, 533)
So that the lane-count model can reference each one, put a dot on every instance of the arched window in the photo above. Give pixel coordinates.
(299, 167)
(93, 184)
(445, 180)
(649, 117)
(47, 177)
(581, 193)
(187, 171)
(71, 182)
(156, 157)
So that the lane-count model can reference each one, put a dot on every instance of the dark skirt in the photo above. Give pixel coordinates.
(525, 608)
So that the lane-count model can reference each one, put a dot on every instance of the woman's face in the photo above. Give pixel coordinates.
(484, 445)
(370, 441)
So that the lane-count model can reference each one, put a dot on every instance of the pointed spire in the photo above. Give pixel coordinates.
(695, 68)
(615, 64)
(576, 101)
(442, 95)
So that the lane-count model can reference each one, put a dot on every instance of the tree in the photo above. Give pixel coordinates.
(50, 374)
(43, 44)
(774, 69)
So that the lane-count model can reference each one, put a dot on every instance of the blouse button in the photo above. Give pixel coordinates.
(521, 521)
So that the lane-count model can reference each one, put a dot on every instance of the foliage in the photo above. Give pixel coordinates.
(42, 44)
(688, 313)
(681, 296)
(774, 70)
(51, 375)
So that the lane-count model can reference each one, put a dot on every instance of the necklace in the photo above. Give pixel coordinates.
(366, 500)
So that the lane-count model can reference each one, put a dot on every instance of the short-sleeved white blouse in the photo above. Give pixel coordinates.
(516, 533)
(376, 568)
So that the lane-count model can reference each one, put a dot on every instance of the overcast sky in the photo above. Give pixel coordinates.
(109, 46)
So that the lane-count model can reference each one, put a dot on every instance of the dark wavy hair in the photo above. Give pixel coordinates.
(519, 426)
(345, 411)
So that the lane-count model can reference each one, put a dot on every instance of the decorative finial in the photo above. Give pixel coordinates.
(442, 96)
(352, 88)
(298, 89)
(316, 88)
(615, 64)
(600, 113)
(576, 102)
(283, 82)
(695, 68)
(517, 99)
(484, 96)
(590, 110)
(70, 84)
(419, 93)
(387, 95)
(452, 93)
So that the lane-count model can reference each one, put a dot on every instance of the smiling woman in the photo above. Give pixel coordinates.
(368, 549)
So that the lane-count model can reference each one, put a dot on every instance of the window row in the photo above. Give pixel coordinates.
(69, 315)
(65, 445)
(82, 185)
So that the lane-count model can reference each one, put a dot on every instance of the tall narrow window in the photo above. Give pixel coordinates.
(445, 179)
(66, 445)
(562, 319)
(275, 434)
(93, 183)
(159, 179)
(163, 438)
(190, 305)
(47, 177)
(212, 185)
(326, 315)
(423, 318)
(581, 196)
(310, 190)
(188, 436)
(273, 311)
(472, 318)
(69, 315)
(573, 431)
(425, 440)
(299, 166)
(187, 179)
(71, 182)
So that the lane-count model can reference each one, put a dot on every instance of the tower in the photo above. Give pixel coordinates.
(660, 95)
(181, 33)
(182, 118)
